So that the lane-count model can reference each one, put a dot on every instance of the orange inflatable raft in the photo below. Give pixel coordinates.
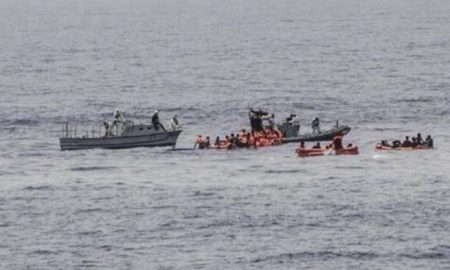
(312, 152)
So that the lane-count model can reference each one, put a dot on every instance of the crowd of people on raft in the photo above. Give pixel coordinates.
(244, 139)
(415, 142)
(260, 135)
(336, 144)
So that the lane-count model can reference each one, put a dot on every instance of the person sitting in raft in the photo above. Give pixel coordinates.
(419, 139)
(414, 142)
(396, 144)
(337, 142)
(406, 142)
(429, 141)
(315, 125)
(385, 143)
(200, 142)
(317, 146)
(302, 145)
(217, 142)
(250, 139)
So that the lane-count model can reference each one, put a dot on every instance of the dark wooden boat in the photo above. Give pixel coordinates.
(291, 135)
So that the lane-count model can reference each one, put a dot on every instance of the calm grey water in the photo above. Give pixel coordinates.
(380, 66)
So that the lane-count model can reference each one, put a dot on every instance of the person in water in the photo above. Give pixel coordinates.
(207, 142)
(407, 142)
(429, 141)
(200, 142)
(317, 146)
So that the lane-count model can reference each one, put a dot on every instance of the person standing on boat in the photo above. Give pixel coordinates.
(294, 120)
(272, 121)
(117, 118)
(315, 124)
(155, 121)
(174, 124)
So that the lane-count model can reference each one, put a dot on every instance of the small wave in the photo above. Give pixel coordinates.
(44, 252)
(350, 167)
(282, 171)
(85, 233)
(21, 122)
(426, 255)
(45, 187)
(199, 193)
(93, 168)
(320, 255)
(215, 224)
(416, 100)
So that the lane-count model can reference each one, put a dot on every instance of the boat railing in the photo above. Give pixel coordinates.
(71, 131)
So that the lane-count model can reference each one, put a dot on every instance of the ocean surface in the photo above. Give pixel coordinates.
(382, 67)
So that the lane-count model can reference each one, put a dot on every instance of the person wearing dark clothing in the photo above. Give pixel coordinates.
(256, 119)
(337, 142)
(217, 142)
(406, 142)
(317, 146)
(207, 142)
(419, 139)
(302, 144)
(396, 144)
(414, 143)
(385, 143)
(429, 141)
(155, 121)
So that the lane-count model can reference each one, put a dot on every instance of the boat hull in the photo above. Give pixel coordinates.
(149, 140)
(327, 135)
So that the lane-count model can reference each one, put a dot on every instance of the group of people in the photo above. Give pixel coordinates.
(118, 118)
(244, 139)
(414, 142)
(258, 116)
(336, 144)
